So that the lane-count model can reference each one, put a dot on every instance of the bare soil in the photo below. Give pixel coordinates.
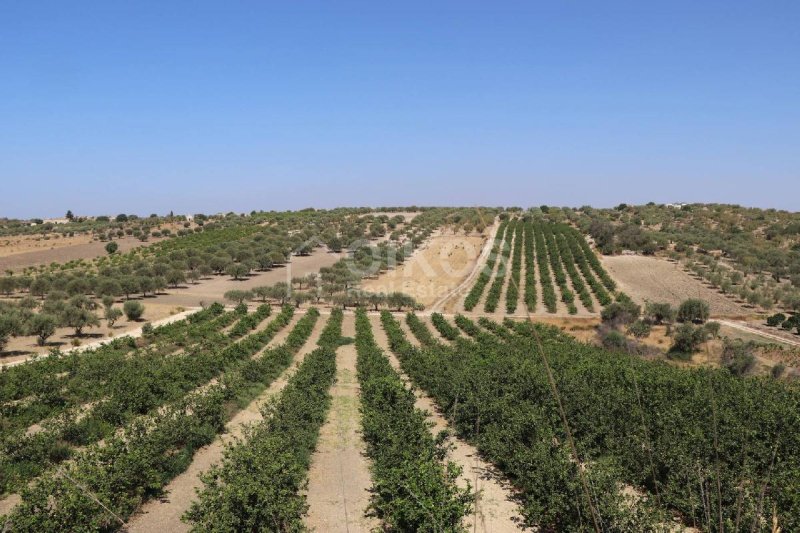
(339, 478)
(652, 279)
(213, 289)
(18, 255)
(434, 269)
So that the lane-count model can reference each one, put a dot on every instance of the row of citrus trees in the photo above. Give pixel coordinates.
(413, 488)
(258, 486)
(704, 447)
(512, 291)
(104, 484)
(496, 288)
(75, 399)
(563, 258)
(105, 393)
(474, 295)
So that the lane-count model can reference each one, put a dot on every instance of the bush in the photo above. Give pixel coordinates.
(620, 312)
(133, 310)
(738, 358)
(614, 340)
(776, 320)
(693, 310)
(712, 329)
(778, 370)
(238, 297)
(639, 329)
(686, 341)
(659, 313)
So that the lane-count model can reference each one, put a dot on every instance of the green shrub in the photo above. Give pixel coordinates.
(639, 329)
(693, 310)
(133, 310)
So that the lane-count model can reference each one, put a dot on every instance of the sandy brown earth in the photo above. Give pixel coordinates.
(339, 478)
(62, 251)
(495, 511)
(652, 279)
(434, 269)
(157, 516)
(213, 289)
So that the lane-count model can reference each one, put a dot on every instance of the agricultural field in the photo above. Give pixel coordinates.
(396, 369)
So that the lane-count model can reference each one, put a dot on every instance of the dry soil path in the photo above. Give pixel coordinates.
(495, 511)
(754, 331)
(157, 516)
(339, 478)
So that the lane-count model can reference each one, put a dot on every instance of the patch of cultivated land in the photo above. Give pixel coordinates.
(17, 257)
(658, 280)
(165, 514)
(495, 510)
(173, 301)
(339, 478)
(434, 269)
(213, 289)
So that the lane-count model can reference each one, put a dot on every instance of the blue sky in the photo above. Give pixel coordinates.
(197, 106)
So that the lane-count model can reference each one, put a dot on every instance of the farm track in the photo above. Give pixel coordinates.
(755, 331)
(495, 509)
(339, 478)
(165, 514)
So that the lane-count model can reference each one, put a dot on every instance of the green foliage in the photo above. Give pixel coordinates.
(686, 340)
(238, 296)
(737, 357)
(133, 310)
(776, 320)
(693, 310)
(659, 313)
(474, 295)
(668, 432)
(43, 326)
(259, 484)
(444, 327)
(413, 490)
(621, 312)
(614, 340)
(639, 329)
(111, 248)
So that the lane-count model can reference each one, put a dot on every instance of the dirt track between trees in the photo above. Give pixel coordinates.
(339, 478)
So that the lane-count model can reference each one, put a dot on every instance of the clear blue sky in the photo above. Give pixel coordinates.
(196, 106)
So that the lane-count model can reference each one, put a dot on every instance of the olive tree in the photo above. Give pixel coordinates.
(237, 270)
(43, 326)
(237, 296)
(693, 310)
(133, 310)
